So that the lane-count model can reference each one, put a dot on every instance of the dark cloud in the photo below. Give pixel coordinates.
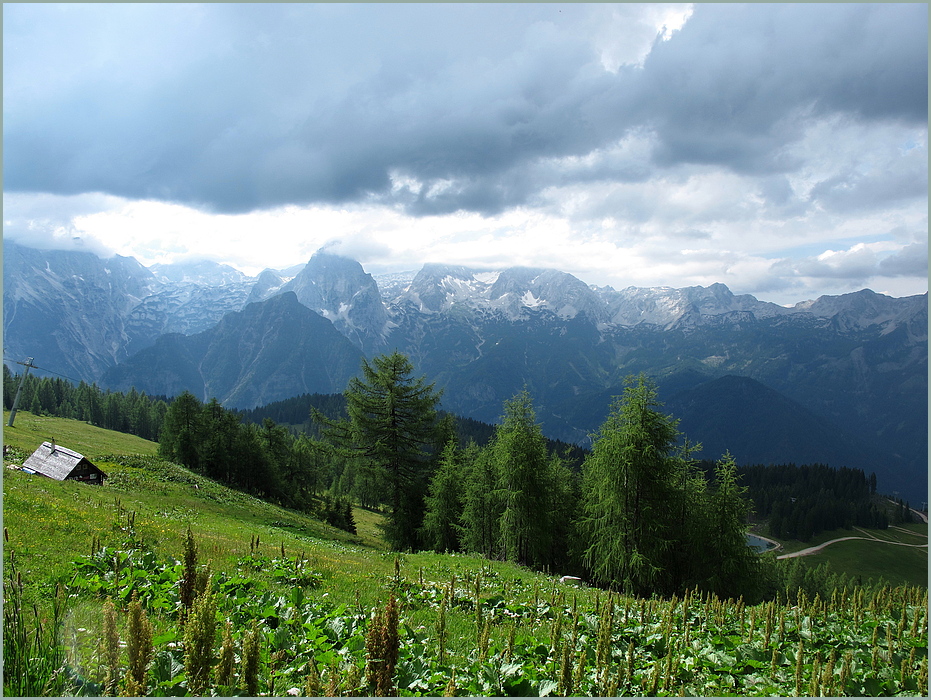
(232, 107)
(781, 199)
(739, 82)
(862, 185)
(911, 261)
(858, 265)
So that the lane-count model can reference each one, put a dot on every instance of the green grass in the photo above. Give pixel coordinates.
(49, 522)
(367, 527)
(867, 559)
(862, 559)
(30, 431)
(150, 502)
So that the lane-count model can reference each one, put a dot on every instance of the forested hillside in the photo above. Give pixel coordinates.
(128, 412)
(296, 467)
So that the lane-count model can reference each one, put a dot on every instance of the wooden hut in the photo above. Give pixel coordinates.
(60, 463)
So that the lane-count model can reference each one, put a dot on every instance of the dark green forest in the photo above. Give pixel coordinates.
(132, 412)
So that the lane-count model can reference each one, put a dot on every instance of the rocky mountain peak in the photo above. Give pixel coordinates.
(865, 308)
(437, 287)
(553, 290)
(512, 291)
(339, 289)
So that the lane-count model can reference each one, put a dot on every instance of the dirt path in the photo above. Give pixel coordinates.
(818, 548)
(910, 532)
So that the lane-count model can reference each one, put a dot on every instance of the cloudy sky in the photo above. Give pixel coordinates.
(780, 149)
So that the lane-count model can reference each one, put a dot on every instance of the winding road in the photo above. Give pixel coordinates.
(818, 548)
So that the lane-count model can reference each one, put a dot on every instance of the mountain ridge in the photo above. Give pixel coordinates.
(858, 360)
(251, 357)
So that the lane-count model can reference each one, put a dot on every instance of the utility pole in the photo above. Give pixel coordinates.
(19, 390)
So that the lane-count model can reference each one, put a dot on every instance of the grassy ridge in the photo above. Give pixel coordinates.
(30, 431)
(167, 498)
(869, 559)
(50, 522)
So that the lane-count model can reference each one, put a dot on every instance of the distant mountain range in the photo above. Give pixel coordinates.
(840, 379)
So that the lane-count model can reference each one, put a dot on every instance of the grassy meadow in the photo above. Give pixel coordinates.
(315, 597)
(874, 558)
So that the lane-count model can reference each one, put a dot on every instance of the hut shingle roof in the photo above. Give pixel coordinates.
(55, 461)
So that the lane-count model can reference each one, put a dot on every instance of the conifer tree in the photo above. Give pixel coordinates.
(302, 468)
(182, 431)
(683, 563)
(731, 564)
(519, 452)
(481, 512)
(628, 482)
(9, 387)
(562, 503)
(443, 506)
(392, 419)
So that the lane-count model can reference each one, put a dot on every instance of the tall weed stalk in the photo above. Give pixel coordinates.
(33, 655)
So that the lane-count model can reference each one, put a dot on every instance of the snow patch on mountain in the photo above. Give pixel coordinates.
(110, 308)
(340, 290)
(393, 284)
(487, 277)
(529, 300)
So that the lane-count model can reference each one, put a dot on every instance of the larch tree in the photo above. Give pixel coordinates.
(628, 484)
(481, 503)
(391, 421)
(519, 452)
(443, 504)
(732, 563)
(562, 502)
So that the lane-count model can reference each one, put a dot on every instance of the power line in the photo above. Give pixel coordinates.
(58, 374)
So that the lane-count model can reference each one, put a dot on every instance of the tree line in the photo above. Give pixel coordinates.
(798, 502)
(265, 460)
(131, 412)
(636, 512)
(639, 516)
(295, 412)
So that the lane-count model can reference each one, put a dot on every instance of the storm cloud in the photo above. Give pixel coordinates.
(621, 130)
(236, 107)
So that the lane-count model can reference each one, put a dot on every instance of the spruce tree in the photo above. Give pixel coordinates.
(392, 419)
(182, 431)
(219, 447)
